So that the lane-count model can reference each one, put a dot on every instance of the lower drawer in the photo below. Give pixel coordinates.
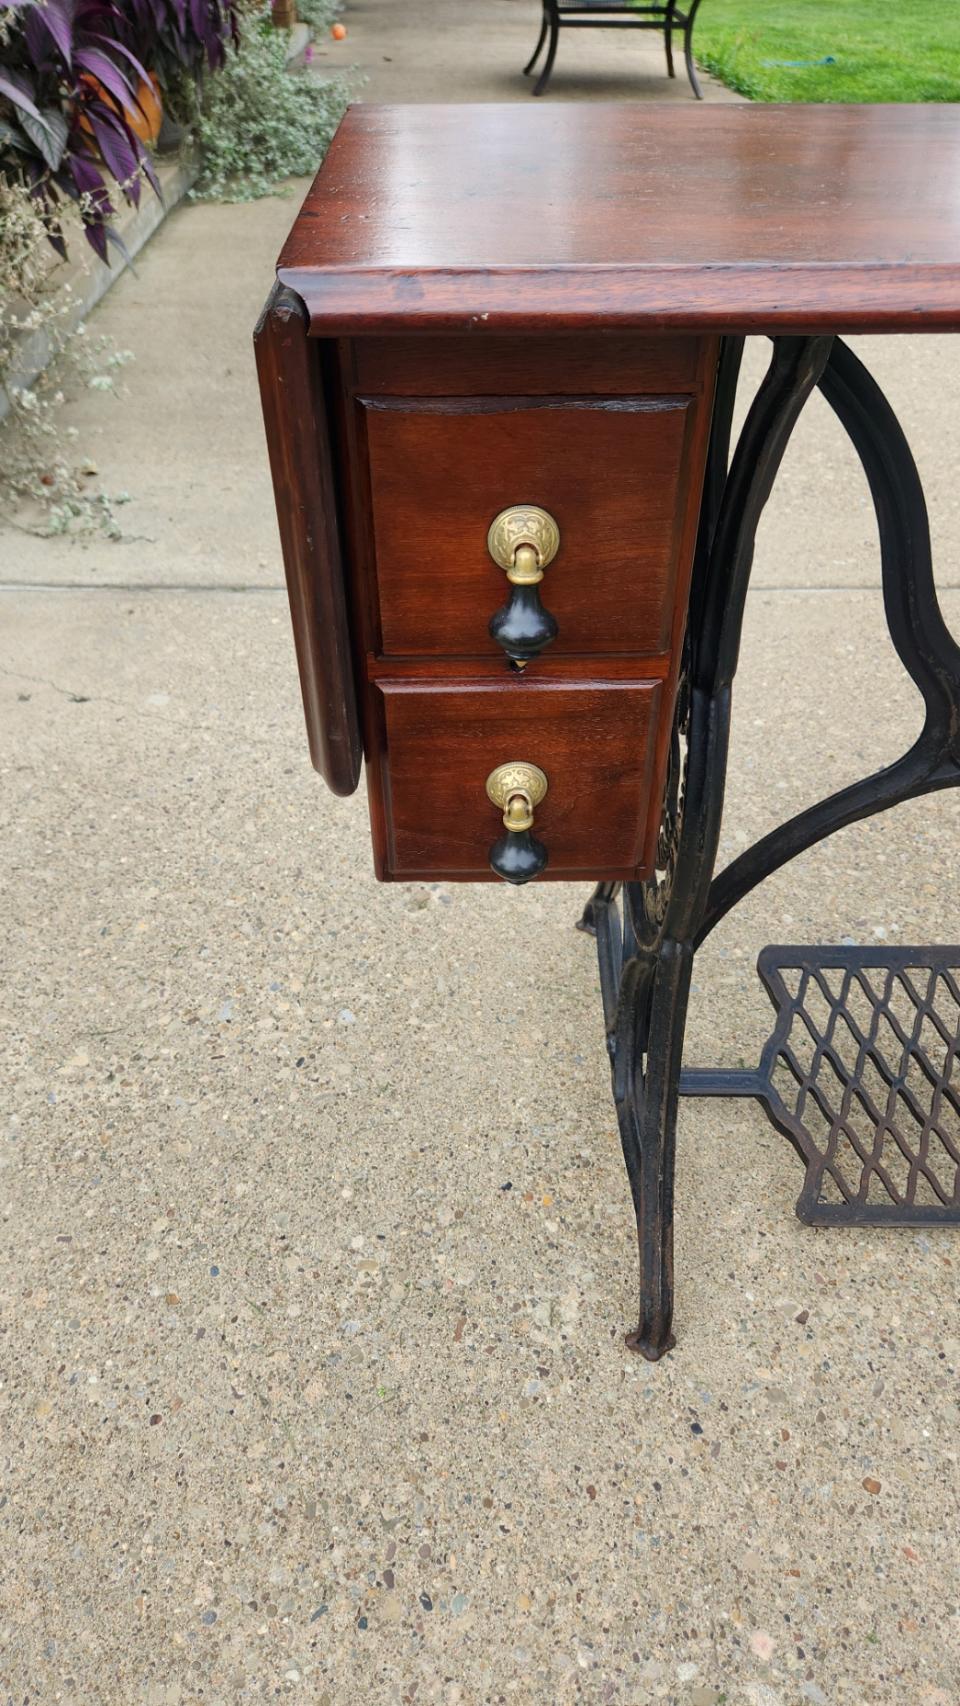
(595, 742)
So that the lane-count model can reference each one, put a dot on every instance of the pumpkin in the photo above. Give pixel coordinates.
(144, 119)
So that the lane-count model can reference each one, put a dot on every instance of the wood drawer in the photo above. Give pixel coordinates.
(439, 740)
(621, 477)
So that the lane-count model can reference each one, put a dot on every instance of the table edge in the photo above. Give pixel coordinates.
(724, 297)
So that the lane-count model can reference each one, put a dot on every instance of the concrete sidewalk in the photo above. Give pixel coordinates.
(317, 1247)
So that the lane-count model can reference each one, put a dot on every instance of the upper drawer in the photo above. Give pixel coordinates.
(621, 476)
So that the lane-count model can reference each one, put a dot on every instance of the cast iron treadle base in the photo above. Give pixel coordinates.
(861, 1075)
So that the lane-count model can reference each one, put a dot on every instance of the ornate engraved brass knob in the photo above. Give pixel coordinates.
(522, 541)
(517, 788)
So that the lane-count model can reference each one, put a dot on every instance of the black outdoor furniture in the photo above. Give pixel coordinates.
(614, 15)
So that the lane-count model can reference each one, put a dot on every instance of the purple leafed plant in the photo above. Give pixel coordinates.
(69, 75)
(182, 35)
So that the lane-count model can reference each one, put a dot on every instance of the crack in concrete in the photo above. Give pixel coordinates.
(86, 698)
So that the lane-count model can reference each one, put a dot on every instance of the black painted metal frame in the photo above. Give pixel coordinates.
(647, 933)
(665, 17)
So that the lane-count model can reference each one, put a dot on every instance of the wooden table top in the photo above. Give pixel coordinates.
(734, 217)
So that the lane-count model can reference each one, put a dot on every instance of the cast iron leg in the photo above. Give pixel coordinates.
(649, 1137)
(691, 68)
(531, 62)
(688, 50)
(544, 77)
(668, 39)
(646, 958)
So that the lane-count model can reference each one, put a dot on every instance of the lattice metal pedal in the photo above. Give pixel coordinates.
(860, 1073)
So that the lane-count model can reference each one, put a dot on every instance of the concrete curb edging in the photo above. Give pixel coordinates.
(89, 278)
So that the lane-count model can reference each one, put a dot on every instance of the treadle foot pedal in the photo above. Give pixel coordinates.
(860, 1073)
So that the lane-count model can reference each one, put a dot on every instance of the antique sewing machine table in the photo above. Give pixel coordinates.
(498, 371)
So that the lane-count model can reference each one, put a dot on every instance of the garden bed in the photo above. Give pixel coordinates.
(81, 192)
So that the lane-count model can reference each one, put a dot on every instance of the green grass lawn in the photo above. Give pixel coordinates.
(882, 50)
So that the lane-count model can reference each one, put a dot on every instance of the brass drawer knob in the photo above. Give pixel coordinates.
(522, 541)
(517, 788)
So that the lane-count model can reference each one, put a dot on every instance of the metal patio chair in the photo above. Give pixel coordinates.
(615, 15)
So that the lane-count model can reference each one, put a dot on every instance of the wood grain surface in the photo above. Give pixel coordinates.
(563, 216)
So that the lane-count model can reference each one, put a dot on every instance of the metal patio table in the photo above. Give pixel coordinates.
(663, 16)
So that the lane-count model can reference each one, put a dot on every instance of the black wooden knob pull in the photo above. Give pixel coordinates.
(516, 788)
(523, 540)
(522, 626)
(517, 856)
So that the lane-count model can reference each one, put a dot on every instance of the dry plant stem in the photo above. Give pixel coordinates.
(46, 485)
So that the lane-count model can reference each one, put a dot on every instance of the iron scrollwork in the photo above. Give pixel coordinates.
(648, 933)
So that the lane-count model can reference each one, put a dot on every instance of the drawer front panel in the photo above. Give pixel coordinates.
(593, 740)
(615, 475)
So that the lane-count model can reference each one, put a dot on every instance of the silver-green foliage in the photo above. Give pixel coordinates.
(260, 122)
(319, 14)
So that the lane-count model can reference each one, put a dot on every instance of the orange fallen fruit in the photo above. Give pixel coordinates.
(338, 31)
